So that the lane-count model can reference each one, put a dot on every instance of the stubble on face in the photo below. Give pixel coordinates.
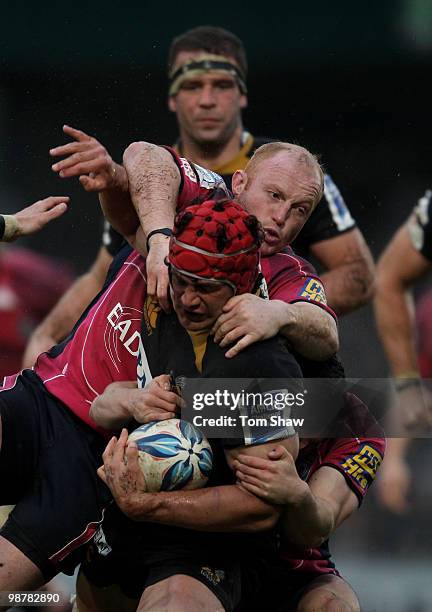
(222, 114)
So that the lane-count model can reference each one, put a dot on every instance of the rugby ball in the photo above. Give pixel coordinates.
(173, 454)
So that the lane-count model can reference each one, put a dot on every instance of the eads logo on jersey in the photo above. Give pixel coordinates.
(363, 466)
(123, 326)
(313, 290)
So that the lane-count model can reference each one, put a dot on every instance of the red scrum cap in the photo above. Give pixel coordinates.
(217, 240)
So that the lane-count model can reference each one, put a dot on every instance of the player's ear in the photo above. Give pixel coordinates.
(238, 182)
(243, 101)
(172, 104)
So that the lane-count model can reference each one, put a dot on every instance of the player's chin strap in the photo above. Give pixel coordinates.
(206, 62)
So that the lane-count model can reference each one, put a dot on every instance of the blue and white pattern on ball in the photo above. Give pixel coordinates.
(173, 455)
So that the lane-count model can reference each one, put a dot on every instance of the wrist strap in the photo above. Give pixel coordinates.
(166, 231)
(404, 383)
(11, 228)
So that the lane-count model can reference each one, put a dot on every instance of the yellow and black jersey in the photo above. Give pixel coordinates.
(168, 347)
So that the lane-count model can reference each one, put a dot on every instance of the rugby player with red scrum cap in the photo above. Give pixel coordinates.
(213, 255)
(168, 565)
(46, 410)
(278, 204)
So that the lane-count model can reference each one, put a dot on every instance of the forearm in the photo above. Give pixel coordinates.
(310, 330)
(308, 523)
(349, 286)
(111, 409)
(394, 312)
(154, 182)
(117, 205)
(224, 508)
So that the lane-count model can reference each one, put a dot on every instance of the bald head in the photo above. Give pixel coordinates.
(295, 155)
(281, 186)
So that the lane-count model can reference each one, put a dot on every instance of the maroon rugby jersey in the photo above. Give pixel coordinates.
(104, 345)
(357, 459)
(293, 279)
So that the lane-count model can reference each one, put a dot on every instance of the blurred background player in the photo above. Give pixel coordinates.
(208, 98)
(406, 260)
(27, 289)
(30, 284)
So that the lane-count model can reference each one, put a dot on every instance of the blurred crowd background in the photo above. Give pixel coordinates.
(347, 80)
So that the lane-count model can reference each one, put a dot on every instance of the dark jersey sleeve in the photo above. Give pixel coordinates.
(272, 377)
(329, 219)
(112, 240)
(420, 225)
(267, 359)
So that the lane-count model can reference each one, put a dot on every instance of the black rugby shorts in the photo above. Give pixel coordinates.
(48, 463)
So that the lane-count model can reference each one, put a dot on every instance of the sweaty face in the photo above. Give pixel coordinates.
(197, 303)
(281, 193)
(208, 107)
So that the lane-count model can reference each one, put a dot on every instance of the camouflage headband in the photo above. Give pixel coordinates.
(203, 64)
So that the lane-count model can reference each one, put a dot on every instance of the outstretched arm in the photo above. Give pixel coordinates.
(136, 198)
(32, 218)
(86, 158)
(398, 268)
